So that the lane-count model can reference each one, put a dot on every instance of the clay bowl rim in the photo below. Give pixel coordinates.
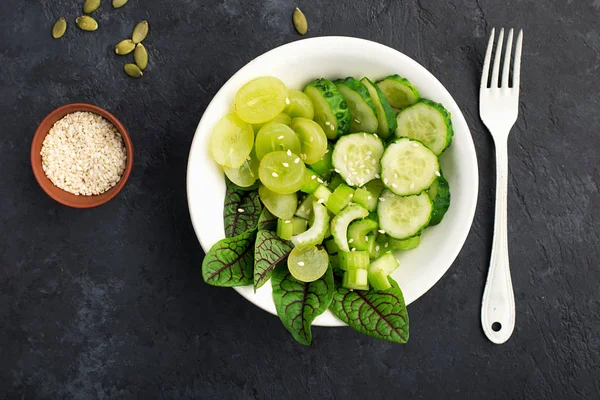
(58, 194)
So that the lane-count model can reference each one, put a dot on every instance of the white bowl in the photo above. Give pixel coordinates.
(296, 64)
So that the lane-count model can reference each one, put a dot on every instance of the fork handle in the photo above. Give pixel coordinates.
(498, 304)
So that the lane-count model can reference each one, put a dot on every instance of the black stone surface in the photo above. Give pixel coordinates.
(109, 303)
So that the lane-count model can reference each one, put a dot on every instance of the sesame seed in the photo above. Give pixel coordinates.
(280, 137)
(321, 201)
(353, 249)
(301, 263)
(327, 123)
(386, 244)
(395, 175)
(357, 121)
(345, 157)
(366, 238)
(287, 221)
(385, 181)
(377, 176)
(377, 248)
(415, 145)
(412, 185)
(437, 173)
(351, 195)
(326, 151)
(332, 127)
(337, 170)
(275, 175)
(320, 180)
(287, 100)
(369, 197)
(394, 185)
(368, 171)
(350, 240)
(365, 135)
(376, 135)
(381, 199)
(289, 152)
(240, 210)
(373, 161)
(303, 156)
(381, 231)
(367, 157)
(296, 161)
(313, 177)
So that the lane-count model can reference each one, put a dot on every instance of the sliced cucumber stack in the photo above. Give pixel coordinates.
(403, 216)
(360, 104)
(385, 114)
(398, 91)
(356, 158)
(408, 167)
(426, 121)
(330, 108)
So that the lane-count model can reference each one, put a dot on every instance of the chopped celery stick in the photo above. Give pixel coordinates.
(379, 279)
(357, 279)
(387, 263)
(322, 194)
(336, 181)
(285, 229)
(340, 198)
(350, 260)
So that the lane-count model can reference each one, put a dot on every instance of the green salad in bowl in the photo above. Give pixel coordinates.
(323, 185)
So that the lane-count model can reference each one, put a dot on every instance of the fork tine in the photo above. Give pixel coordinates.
(497, 56)
(506, 67)
(517, 64)
(486, 63)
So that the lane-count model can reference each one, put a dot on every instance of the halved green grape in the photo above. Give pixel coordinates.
(312, 181)
(299, 105)
(324, 166)
(280, 205)
(260, 100)
(308, 264)
(280, 118)
(312, 139)
(276, 136)
(282, 172)
(231, 141)
(246, 174)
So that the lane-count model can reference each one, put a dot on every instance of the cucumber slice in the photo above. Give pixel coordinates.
(428, 122)
(350, 260)
(356, 158)
(299, 105)
(324, 167)
(339, 224)
(386, 117)
(279, 172)
(387, 263)
(305, 208)
(308, 264)
(408, 167)
(260, 100)
(360, 104)
(280, 205)
(440, 195)
(331, 110)
(398, 91)
(368, 195)
(356, 279)
(378, 279)
(358, 231)
(311, 181)
(340, 198)
(318, 230)
(405, 244)
(312, 139)
(403, 216)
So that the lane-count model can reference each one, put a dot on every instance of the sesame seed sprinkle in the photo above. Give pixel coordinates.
(369, 197)
(275, 174)
(373, 161)
(332, 127)
(381, 231)
(313, 177)
(287, 100)
(287, 221)
(327, 123)
(321, 201)
(285, 164)
(240, 210)
(377, 248)
(350, 240)
(320, 180)
(412, 185)
(301, 263)
(381, 199)
(437, 173)
(386, 245)
(415, 145)
(377, 176)
(289, 152)
(280, 137)
(353, 249)
(296, 161)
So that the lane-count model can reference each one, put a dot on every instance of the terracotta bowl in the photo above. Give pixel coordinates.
(63, 197)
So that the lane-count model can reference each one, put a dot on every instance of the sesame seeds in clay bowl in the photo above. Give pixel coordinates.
(62, 196)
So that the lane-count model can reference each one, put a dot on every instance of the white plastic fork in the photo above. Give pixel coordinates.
(499, 108)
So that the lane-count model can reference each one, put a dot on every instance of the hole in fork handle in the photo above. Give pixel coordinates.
(496, 326)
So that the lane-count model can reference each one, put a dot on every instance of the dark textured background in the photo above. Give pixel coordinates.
(110, 303)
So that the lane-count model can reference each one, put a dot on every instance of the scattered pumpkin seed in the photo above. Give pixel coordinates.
(140, 56)
(124, 47)
(139, 32)
(133, 70)
(86, 23)
(300, 22)
(59, 28)
(89, 6)
(119, 3)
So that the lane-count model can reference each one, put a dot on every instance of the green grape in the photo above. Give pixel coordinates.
(312, 139)
(246, 174)
(281, 118)
(308, 264)
(276, 137)
(261, 99)
(282, 172)
(299, 105)
(231, 141)
(280, 205)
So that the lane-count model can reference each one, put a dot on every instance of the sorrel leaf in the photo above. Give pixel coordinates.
(241, 210)
(230, 261)
(269, 251)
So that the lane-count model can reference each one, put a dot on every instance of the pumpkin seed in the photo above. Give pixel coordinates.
(139, 32)
(133, 70)
(300, 22)
(124, 47)
(59, 28)
(86, 23)
(89, 6)
(119, 3)
(140, 56)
